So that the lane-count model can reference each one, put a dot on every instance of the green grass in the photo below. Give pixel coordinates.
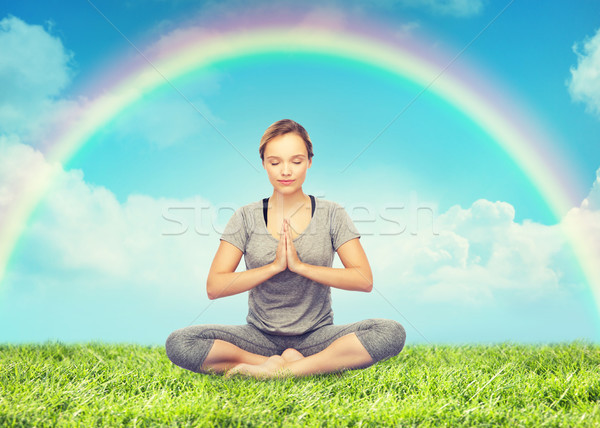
(475, 385)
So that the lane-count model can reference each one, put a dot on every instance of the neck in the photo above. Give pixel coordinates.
(287, 203)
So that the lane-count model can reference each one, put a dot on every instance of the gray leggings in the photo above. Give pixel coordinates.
(189, 346)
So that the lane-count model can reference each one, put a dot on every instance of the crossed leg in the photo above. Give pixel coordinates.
(344, 353)
(214, 348)
(224, 356)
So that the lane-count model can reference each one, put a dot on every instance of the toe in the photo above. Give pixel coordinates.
(233, 371)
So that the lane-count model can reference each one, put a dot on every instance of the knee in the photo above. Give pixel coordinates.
(174, 346)
(188, 348)
(394, 333)
(399, 334)
(182, 349)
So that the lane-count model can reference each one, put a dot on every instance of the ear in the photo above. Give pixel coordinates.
(310, 162)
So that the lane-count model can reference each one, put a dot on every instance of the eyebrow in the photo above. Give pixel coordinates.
(294, 156)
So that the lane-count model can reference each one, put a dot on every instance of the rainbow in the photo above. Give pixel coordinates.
(192, 49)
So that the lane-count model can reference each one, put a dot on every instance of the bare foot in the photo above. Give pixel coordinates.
(270, 368)
(290, 355)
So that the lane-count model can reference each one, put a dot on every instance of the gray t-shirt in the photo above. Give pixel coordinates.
(288, 303)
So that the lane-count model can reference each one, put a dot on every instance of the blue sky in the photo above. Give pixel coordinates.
(462, 246)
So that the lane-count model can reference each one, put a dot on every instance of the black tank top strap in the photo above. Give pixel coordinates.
(266, 207)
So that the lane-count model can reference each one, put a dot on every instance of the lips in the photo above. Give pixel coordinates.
(286, 182)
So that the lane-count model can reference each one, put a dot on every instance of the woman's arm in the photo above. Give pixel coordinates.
(222, 279)
(356, 274)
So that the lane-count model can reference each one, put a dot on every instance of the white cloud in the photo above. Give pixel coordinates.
(21, 167)
(34, 69)
(83, 228)
(592, 201)
(584, 85)
(480, 254)
(585, 219)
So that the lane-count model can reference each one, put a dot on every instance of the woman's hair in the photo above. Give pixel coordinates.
(282, 127)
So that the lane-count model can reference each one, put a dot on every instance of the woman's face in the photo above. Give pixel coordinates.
(286, 162)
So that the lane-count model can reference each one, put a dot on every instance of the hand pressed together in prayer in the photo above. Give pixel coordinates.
(286, 256)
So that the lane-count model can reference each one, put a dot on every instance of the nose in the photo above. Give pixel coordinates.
(285, 169)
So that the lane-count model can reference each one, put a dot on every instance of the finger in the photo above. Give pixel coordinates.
(282, 236)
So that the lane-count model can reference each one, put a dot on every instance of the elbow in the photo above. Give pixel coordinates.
(210, 290)
(217, 286)
(368, 285)
(211, 294)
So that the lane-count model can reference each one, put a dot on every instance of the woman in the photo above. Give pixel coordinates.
(288, 241)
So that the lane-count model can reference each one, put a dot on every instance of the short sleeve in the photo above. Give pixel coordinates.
(235, 232)
(342, 227)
